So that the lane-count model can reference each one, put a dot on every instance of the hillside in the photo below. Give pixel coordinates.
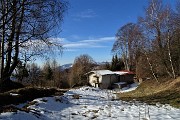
(88, 103)
(165, 92)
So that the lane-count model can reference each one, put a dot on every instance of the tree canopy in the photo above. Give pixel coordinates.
(25, 30)
(152, 44)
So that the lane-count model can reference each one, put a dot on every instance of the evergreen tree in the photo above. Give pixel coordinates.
(48, 72)
(117, 63)
(113, 64)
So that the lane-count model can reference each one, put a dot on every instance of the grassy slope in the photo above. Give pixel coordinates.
(165, 92)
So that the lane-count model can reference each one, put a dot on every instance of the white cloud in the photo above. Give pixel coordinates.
(58, 40)
(103, 39)
(75, 45)
(70, 46)
(90, 43)
(89, 13)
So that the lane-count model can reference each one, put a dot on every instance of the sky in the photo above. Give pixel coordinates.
(89, 26)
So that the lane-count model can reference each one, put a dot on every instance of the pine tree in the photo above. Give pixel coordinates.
(117, 63)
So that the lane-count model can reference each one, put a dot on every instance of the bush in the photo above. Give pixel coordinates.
(9, 85)
(26, 94)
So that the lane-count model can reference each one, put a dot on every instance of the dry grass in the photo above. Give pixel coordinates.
(9, 85)
(76, 96)
(26, 94)
(165, 92)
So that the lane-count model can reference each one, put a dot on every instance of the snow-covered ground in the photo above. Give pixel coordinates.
(88, 103)
(129, 88)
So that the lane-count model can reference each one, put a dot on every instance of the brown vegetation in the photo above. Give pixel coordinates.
(27, 94)
(9, 85)
(151, 47)
(82, 65)
(165, 91)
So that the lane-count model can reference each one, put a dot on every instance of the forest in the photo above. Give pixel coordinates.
(150, 47)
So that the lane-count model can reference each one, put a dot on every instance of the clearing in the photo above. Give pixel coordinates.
(87, 103)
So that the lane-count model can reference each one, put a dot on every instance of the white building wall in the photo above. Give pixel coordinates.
(105, 81)
(93, 79)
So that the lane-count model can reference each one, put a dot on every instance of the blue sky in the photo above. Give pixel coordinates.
(90, 26)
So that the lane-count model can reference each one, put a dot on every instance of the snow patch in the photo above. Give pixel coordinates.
(92, 103)
(14, 94)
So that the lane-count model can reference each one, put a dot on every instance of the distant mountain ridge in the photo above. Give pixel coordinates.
(66, 66)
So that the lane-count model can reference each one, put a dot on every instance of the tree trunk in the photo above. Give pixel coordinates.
(12, 61)
(151, 67)
(2, 44)
(161, 52)
(170, 58)
(6, 74)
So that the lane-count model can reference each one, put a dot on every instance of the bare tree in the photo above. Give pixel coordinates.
(82, 65)
(169, 35)
(35, 75)
(22, 23)
(56, 73)
(159, 31)
(128, 44)
(21, 72)
(175, 45)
